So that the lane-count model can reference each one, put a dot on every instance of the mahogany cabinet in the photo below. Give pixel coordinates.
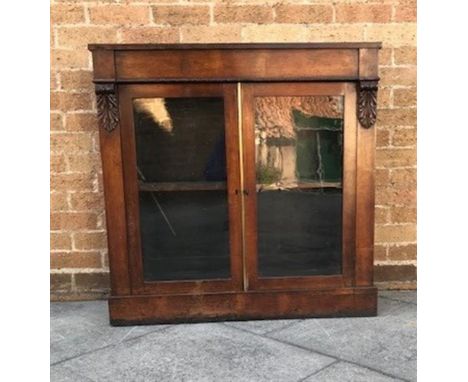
(238, 179)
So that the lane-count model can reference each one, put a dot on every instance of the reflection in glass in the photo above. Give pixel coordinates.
(181, 165)
(299, 155)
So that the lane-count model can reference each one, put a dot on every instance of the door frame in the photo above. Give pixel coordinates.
(127, 93)
(348, 91)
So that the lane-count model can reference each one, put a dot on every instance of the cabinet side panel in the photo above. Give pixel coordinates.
(365, 206)
(115, 210)
(111, 156)
(349, 184)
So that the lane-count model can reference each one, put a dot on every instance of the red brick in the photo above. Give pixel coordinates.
(393, 34)
(382, 177)
(71, 142)
(60, 241)
(395, 157)
(84, 163)
(385, 56)
(394, 273)
(56, 122)
(57, 164)
(70, 59)
(403, 252)
(303, 14)
(106, 260)
(81, 122)
(383, 138)
(75, 259)
(384, 98)
(181, 15)
(100, 183)
(70, 101)
(404, 97)
(90, 240)
(390, 196)
(67, 14)
(87, 201)
(159, 1)
(53, 80)
(404, 178)
(404, 76)
(60, 282)
(382, 215)
(210, 33)
(77, 80)
(405, 55)
(405, 11)
(75, 182)
(404, 137)
(403, 215)
(80, 37)
(51, 36)
(276, 32)
(363, 13)
(73, 221)
(119, 15)
(58, 201)
(380, 252)
(100, 1)
(92, 281)
(258, 14)
(153, 34)
(396, 117)
(395, 233)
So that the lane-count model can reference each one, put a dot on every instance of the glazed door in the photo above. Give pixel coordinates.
(181, 170)
(299, 166)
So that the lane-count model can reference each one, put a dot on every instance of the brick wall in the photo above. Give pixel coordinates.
(78, 259)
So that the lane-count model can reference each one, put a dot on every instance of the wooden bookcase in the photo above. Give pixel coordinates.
(238, 179)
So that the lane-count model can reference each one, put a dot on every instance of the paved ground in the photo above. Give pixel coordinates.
(84, 347)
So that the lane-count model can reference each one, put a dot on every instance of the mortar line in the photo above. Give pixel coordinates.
(319, 370)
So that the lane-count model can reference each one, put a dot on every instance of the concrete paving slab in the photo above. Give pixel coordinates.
(81, 327)
(386, 343)
(84, 347)
(347, 372)
(61, 373)
(199, 352)
(262, 326)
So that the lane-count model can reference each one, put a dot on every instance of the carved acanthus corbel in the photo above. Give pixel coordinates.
(107, 106)
(367, 103)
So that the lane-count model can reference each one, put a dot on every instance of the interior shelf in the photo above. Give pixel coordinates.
(216, 186)
(181, 186)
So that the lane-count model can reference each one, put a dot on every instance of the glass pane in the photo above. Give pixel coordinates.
(181, 164)
(299, 156)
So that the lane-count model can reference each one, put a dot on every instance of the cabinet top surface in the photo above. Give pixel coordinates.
(317, 45)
